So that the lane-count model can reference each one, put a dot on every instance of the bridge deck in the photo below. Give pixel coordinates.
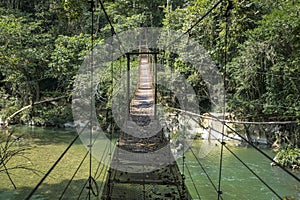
(164, 182)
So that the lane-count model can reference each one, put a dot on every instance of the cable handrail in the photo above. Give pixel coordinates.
(252, 145)
(215, 118)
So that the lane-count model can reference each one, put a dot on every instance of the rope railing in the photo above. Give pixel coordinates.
(214, 118)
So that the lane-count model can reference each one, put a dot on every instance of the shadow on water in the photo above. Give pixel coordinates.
(51, 191)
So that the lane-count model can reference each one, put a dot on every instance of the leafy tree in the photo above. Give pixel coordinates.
(266, 71)
(66, 58)
(24, 55)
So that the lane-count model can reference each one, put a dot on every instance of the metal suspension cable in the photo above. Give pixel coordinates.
(90, 145)
(73, 176)
(111, 120)
(221, 165)
(107, 18)
(275, 75)
(193, 181)
(84, 186)
(196, 23)
(98, 167)
(239, 159)
(76, 171)
(263, 153)
(212, 117)
(203, 169)
(227, 13)
(175, 178)
(251, 144)
(205, 15)
(227, 136)
(277, 106)
(102, 183)
(113, 31)
(103, 166)
(81, 191)
(55, 164)
(92, 190)
(220, 168)
(257, 176)
(91, 179)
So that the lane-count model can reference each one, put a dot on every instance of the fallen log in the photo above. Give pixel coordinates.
(9, 118)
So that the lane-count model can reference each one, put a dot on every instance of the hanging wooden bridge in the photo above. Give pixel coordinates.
(148, 180)
(127, 177)
(166, 182)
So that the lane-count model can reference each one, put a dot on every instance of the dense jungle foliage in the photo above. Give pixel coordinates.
(43, 43)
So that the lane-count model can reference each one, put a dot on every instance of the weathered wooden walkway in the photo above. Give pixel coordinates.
(141, 182)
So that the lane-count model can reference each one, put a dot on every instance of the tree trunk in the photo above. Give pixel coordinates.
(248, 132)
(8, 119)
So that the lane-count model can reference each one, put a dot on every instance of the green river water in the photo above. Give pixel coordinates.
(47, 144)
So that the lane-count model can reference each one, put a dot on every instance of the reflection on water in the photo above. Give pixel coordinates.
(237, 182)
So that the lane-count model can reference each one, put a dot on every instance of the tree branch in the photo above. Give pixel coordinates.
(8, 119)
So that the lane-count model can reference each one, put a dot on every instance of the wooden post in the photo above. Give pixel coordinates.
(128, 85)
(155, 85)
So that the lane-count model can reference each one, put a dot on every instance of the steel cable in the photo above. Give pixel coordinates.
(193, 181)
(265, 183)
(205, 172)
(257, 176)
(55, 164)
(70, 181)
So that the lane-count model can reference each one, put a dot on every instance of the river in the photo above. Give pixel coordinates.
(46, 144)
